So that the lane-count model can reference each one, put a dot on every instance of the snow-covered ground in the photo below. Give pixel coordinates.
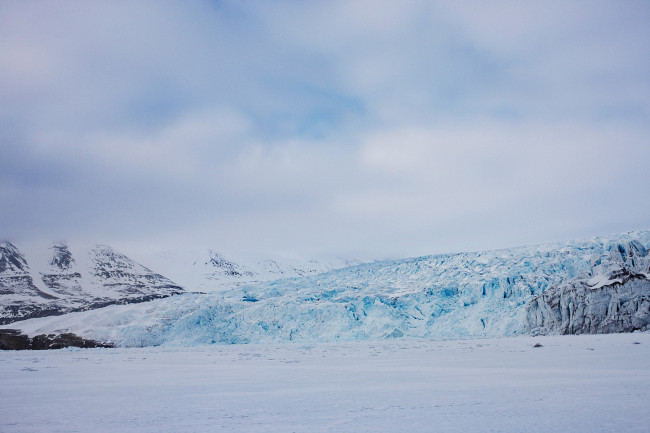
(589, 383)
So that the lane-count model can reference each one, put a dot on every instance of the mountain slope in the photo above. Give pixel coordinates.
(211, 271)
(19, 295)
(62, 282)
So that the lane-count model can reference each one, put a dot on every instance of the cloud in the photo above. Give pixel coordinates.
(397, 128)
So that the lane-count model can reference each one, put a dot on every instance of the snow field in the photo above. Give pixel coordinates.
(590, 383)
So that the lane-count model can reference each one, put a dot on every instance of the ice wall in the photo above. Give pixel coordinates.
(615, 297)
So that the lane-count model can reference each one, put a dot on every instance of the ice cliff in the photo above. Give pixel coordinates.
(613, 297)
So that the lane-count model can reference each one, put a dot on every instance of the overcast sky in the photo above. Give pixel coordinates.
(381, 127)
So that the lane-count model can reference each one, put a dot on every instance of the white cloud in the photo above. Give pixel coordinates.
(387, 126)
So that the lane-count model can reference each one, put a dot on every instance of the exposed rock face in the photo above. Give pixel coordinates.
(64, 285)
(61, 257)
(15, 278)
(614, 298)
(61, 278)
(222, 266)
(119, 275)
(11, 339)
(19, 296)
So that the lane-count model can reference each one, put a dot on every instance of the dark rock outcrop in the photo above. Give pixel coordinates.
(12, 339)
(225, 267)
(15, 278)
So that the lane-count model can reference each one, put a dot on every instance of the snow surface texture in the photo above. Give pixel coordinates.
(587, 383)
(493, 293)
(62, 282)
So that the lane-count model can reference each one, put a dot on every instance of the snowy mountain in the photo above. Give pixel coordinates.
(59, 282)
(20, 296)
(211, 271)
(598, 285)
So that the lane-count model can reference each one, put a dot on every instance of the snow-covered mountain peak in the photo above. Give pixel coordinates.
(224, 267)
(210, 270)
(110, 263)
(58, 279)
(11, 259)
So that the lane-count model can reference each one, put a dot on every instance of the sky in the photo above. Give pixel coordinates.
(340, 127)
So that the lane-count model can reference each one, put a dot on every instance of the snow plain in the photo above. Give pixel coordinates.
(588, 383)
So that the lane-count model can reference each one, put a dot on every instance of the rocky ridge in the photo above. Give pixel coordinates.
(64, 284)
(13, 339)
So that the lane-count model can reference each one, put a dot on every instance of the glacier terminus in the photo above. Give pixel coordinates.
(600, 285)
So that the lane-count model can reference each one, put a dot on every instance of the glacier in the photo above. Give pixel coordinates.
(548, 289)
(615, 299)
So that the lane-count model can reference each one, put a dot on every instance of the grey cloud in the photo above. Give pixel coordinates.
(407, 127)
